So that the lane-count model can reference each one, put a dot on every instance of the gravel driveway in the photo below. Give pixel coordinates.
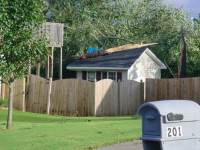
(135, 145)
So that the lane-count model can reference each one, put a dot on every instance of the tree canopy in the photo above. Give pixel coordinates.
(193, 41)
(108, 23)
(18, 47)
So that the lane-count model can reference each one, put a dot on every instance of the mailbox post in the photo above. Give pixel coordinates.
(170, 125)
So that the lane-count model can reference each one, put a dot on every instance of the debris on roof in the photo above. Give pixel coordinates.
(128, 46)
(95, 54)
(115, 49)
(120, 59)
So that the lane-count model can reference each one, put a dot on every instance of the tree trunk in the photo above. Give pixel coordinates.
(183, 58)
(38, 66)
(10, 106)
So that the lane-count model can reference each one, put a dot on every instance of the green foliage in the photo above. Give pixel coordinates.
(3, 103)
(193, 41)
(65, 133)
(18, 48)
(109, 23)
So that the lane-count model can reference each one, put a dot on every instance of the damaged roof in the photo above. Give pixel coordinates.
(121, 60)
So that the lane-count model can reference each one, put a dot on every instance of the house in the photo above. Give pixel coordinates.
(120, 64)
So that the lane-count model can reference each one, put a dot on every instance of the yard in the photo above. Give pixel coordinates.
(34, 131)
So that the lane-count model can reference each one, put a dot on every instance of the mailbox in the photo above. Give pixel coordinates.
(170, 125)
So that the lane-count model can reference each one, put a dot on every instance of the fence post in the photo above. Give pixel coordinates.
(24, 95)
(95, 98)
(49, 96)
(61, 54)
(143, 90)
(119, 99)
(50, 83)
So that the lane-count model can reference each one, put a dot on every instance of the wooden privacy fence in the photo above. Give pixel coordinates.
(118, 98)
(72, 97)
(164, 89)
(68, 97)
(18, 93)
(36, 94)
(4, 91)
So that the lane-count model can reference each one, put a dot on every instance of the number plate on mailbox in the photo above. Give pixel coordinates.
(176, 131)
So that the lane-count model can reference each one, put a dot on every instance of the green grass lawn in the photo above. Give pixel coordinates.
(42, 132)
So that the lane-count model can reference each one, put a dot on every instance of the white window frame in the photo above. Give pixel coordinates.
(114, 73)
(86, 75)
(117, 75)
(94, 76)
(101, 75)
(107, 72)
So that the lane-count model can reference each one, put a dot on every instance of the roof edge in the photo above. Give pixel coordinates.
(155, 58)
(96, 68)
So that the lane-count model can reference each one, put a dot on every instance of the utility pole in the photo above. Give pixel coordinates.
(183, 56)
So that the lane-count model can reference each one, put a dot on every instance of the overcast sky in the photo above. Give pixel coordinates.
(191, 6)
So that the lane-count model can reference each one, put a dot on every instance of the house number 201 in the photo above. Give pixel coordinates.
(174, 131)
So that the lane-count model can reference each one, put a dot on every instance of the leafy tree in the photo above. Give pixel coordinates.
(109, 23)
(193, 41)
(76, 16)
(19, 48)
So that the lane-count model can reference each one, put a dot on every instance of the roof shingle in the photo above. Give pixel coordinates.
(121, 59)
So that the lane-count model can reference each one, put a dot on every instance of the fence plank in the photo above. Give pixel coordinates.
(187, 88)
(131, 97)
(106, 98)
(118, 98)
(72, 97)
(18, 94)
(36, 99)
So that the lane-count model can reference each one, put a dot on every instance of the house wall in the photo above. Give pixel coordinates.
(79, 75)
(124, 75)
(144, 68)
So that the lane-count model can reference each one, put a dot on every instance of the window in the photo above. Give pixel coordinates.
(98, 76)
(91, 76)
(84, 75)
(104, 75)
(119, 76)
(112, 75)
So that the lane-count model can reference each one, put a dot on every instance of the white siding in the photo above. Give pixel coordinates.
(144, 68)
(124, 75)
(79, 75)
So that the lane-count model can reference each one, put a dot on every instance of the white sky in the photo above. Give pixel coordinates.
(191, 6)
